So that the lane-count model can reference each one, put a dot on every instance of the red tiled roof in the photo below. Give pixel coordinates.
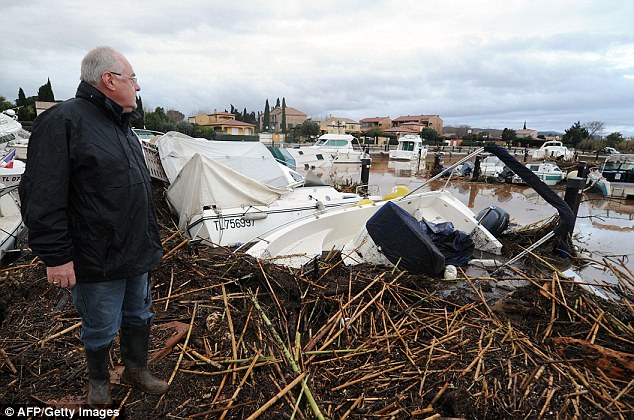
(375, 119)
(413, 118)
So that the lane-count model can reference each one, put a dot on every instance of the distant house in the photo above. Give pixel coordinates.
(376, 122)
(339, 125)
(418, 122)
(224, 122)
(41, 106)
(526, 133)
(294, 118)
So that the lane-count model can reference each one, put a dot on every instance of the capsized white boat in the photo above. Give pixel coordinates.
(615, 178)
(340, 229)
(548, 172)
(553, 149)
(343, 148)
(227, 193)
(410, 146)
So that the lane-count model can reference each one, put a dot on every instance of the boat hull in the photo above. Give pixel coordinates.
(300, 242)
(235, 226)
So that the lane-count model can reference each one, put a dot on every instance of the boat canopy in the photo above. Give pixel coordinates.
(205, 183)
(251, 159)
(218, 175)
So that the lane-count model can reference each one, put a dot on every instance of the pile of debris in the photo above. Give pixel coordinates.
(241, 338)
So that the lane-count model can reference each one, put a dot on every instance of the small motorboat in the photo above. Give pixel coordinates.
(410, 147)
(343, 148)
(554, 150)
(615, 178)
(548, 172)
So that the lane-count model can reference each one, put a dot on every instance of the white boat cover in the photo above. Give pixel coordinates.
(205, 182)
(251, 159)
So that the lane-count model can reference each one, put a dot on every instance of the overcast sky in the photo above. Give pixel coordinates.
(486, 64)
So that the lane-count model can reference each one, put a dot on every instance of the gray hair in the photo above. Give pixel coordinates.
(98, 61)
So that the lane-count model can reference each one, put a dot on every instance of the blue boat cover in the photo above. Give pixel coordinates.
(404, 242)
(455, 245)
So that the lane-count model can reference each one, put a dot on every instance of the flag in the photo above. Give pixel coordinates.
(7, 160)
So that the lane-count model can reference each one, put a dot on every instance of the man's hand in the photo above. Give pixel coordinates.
(62, 275)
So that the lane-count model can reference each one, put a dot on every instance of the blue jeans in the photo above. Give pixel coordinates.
(105, 306)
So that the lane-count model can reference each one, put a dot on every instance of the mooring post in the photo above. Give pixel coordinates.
(581, 169)
(476, 169)
(572, 197)
(365, 173)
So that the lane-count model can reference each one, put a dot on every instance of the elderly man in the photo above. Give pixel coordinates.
(87, 202)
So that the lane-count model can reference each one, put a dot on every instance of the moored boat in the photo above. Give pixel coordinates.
(410, 147)
(548, 172)
(226, 193)
(555, 150)
(343, 148)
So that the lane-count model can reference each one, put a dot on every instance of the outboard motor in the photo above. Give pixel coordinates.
(505, 176)
(494, 219)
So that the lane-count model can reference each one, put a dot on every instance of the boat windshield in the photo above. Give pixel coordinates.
(408, 146)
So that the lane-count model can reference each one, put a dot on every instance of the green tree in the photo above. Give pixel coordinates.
(4, 104)
(139, 122)
(283, 115)
(509, 135)
(575, 134)
(309, 128)
(21, 101)
(613, 139)
(45, 92)
(175, 116)
(266, 119)
(429, 135)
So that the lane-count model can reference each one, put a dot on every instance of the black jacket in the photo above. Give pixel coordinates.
(86, 193)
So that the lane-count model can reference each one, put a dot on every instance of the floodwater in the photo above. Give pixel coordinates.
(604, 227)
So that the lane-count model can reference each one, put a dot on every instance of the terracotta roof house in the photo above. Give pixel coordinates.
(294, 118)
(339, 125)
(380, 122)
(421, 121)
(224, 122)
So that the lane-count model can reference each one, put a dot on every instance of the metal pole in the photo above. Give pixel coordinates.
(572, 197)
(365, 173)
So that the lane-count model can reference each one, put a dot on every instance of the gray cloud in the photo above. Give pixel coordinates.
(490, 64)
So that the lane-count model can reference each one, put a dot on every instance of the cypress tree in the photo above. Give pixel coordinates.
(283, 115)
(266, 120)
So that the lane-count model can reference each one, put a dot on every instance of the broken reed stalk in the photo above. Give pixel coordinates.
(288, 355)
(176, 248)
(180, 356)
(277, 396)
(169, 292)
(239, 388)
(59, 334)
(234, 349)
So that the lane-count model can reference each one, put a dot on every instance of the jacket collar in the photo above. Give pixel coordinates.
(94, 95)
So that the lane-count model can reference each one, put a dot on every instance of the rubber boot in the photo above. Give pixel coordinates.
(98, 377)
(134, 352)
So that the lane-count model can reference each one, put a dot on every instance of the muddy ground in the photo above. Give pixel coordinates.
(338, 342)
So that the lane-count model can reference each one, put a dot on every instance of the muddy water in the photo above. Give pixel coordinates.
(604, 227)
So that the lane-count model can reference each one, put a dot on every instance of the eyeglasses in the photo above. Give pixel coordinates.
(131, 78)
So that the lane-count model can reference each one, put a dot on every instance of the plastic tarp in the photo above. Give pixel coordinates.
(403, 241)
(251, 159)
(205, 182)
(455, 245)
